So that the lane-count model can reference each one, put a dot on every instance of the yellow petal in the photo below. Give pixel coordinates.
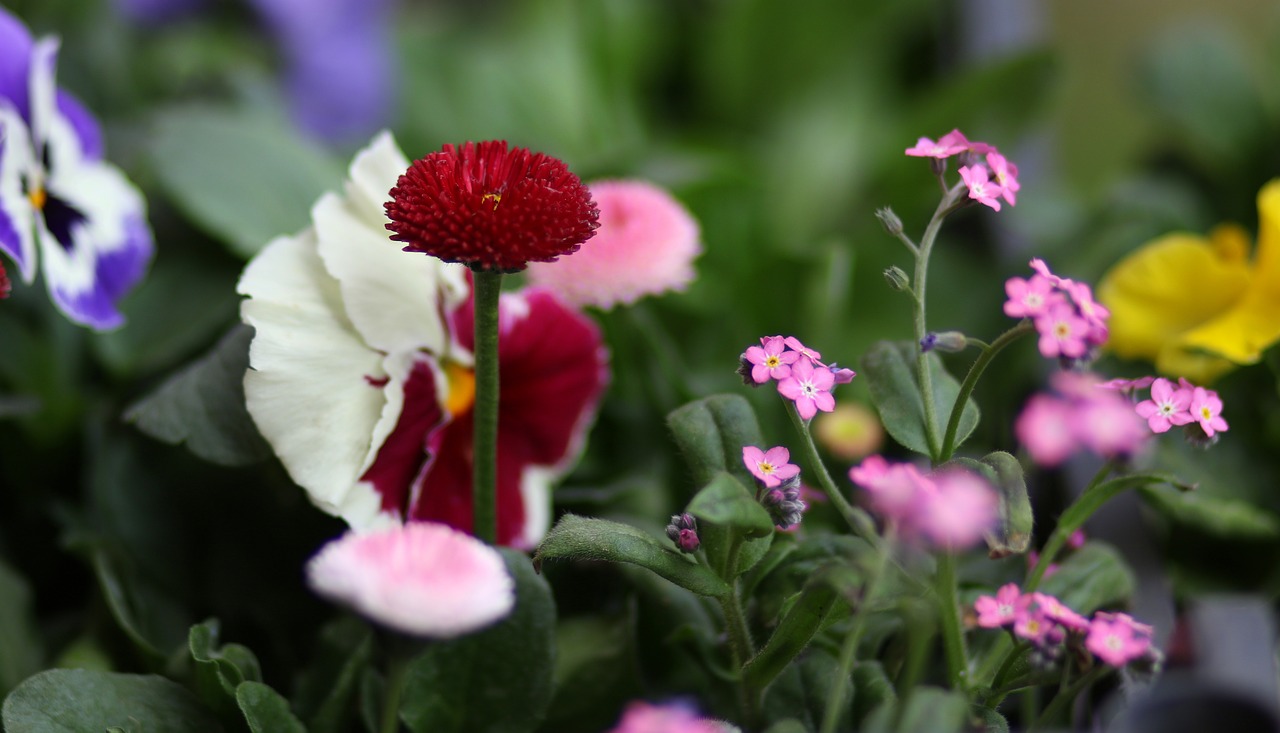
(1243, 332)
(1166, 288)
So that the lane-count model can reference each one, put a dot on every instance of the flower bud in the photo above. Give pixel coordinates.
(948, 342)
(842, 375)
(890, 221)
(784, 504)
(683, 530)
(897, 279)
(744, 372)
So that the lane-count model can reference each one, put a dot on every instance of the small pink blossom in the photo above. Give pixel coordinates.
(1005, 174)
(1029, 298)
(997, 611)
(1029, 621)
(1062, 332)
(1046, 429)
(794, 344)
(642, 717)
(1058, 612)
(1109, 427)
(1127, 385)
(1076, 540)
(1042, 270)
(948, 145)
(771, 360)
(1206, 409)
(770, 466)
(810, 388)
(894, 489)
(961, 509)
(981, 188)
(1167, 407)
(419, 578)
(1116, 639)
(842, 375)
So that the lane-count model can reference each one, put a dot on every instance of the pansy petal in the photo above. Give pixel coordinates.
(313, 388)
(94, 242)
(88, 134)
(1165, 289)
(390, 295)
(15, 61)
(1245, 330)
(17, 216)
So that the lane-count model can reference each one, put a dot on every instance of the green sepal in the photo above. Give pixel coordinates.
(584, 538)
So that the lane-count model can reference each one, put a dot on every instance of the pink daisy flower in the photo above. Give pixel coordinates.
(981, 188)
(645, 245)
(1005, 174)
(1166, 408)
(1029, 298)
(810, 388)
(997, 611)
(419, 578)
(1117, 639)
(1206, 409)
(770, 361)
(771, 466)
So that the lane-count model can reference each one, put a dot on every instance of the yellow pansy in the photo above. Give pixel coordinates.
(1197, 306)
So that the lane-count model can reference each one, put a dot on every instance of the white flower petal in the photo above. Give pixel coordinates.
(390, 295)
(308, 367)
(17, 216)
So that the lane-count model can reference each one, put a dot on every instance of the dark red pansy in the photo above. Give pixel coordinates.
(491, 207)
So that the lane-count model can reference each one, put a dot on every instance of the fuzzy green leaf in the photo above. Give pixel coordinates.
(725, 501)
(86, 701)
(890, 370)
(711, 433)
(265, 710)
(1093, 577)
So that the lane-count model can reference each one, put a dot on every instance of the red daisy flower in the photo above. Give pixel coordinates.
(491, 207)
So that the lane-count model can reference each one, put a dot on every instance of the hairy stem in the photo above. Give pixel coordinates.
(486, 291)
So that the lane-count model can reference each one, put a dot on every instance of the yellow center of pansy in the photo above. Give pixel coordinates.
(37, 196)
(462, 388)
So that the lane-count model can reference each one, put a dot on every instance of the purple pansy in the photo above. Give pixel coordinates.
(60, 203)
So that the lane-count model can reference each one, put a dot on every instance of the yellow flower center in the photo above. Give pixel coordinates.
(38, 197)
(462, 388)
(1206, 413)
(494, 197)
(766, 467)
(772, 362)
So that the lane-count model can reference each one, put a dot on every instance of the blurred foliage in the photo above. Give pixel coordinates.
(781, 128)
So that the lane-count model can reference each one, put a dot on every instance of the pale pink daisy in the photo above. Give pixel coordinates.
(1005, 174)
(961, 509)
(771, 360)
(1166, 408)
(1062, 332)
(645, 245)
(771, 466)
(1206, 409)
(642, 717)
(996, 611)
(420, 578)
(981, 188)
(1117, 639)
(810, 388)
(1029, 298)
(948, 145)
(1046, 429)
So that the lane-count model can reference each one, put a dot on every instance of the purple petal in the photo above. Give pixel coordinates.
(83, 123)
(119, 270)
(15, 63)
(155, 12)
(342, 88)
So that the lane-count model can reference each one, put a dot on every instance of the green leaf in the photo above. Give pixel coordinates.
(494, 681)
(203, 405)
(596, 671)
(584, 538)
(1224, 517)
(85, 701)
(711, 433)
(245, 179)
(890, 370)
(1093, 577)
(1013, 535)
(992, 721)
(725, 501)
(19, 638)
(928, 709)
(219, 672)
(329, 681)
(265, 710)
(802, 690)
(872, 689)
(790, 725)
(820, 595)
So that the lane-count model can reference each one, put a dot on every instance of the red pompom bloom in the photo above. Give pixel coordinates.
(491, 208)
(4, 283)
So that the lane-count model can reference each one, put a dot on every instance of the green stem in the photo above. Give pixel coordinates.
(849, 650)
(397, 673)
(859, 521)
(741, 648)
(952, 633)
(971, 380)
(945, 206)
(1064, 698)
(486, 291)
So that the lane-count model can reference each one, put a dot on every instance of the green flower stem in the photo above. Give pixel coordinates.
(487, 287)
(1060, 701)
(949, 612)
(740, 645)
(398, 659)
(859, 521)
(971, 380)
(950, 201)
(849, 650)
